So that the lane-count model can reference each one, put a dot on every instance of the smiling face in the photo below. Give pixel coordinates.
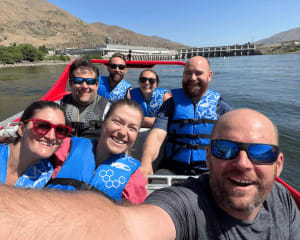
(147, 88)
(84, 94)
(120, 130)
(41, 146)
(196, 77)
(238, 185)
(116, 75)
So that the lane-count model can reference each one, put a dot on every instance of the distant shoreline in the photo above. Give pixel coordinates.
(27, 64)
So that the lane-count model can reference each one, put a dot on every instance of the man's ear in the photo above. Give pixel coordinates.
(279, 163)
(21, 127)
(210, 75)
(208, 156)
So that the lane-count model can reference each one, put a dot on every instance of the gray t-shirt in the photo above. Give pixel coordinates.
(196, 215)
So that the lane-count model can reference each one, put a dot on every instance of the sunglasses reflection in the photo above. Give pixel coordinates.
(257, 152)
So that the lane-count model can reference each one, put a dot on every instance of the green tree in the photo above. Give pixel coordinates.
(30, 53)
(43, 49)
(10, 55)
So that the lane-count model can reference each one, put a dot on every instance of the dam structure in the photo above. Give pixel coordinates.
(220, 51)
(155, 54)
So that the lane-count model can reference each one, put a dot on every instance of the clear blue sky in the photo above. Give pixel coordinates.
(192, 22)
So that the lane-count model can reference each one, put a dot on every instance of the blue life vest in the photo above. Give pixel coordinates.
(117, 93)
(190, 128)
(150, 109)
(79, 171)
(35, 176)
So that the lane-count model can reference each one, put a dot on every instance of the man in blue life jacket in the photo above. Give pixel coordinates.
(84, 108)
(186, 120)
(114, 87)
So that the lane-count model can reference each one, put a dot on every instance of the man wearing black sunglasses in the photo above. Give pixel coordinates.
(238, 199)
(114, 87)
(186, 120)
(84, 108)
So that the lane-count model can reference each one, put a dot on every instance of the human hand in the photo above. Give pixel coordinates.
(8, 134)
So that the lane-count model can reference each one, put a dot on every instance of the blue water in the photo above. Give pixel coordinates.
(269, 84)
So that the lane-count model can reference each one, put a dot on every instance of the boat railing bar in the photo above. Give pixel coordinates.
(168, 180)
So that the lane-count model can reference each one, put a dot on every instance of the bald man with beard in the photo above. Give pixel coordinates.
(186, 120)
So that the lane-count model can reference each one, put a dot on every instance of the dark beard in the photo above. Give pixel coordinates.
(192, 92)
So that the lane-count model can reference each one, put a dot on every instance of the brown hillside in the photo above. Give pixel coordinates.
(39, 22)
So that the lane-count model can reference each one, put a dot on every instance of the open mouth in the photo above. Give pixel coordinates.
(48, 144)
(240, 182)
(119, 141)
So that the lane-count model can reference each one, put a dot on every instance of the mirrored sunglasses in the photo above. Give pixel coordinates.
(151, 80)
(257, 152)
(120, 66)
(42, 127)
(89, 81)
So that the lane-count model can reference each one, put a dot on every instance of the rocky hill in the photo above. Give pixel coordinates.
(39, 22)
(292, 34)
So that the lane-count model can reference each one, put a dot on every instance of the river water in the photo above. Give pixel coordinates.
(268, 83)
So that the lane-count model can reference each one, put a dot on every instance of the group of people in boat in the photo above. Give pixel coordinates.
(103, 131)
(235, 152)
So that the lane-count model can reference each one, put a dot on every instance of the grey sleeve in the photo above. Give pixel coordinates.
(294, 222)
(163, 115)
(175, 202)
(223, 107)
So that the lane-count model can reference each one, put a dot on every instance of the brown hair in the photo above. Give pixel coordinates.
(124, 102)
(119, 55)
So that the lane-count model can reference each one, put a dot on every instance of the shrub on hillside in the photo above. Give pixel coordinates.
(10, 55)
(30, 53)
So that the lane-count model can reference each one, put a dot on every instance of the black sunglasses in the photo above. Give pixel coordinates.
(80, 80)
(257, 152)
(151, 80)
(114, 66)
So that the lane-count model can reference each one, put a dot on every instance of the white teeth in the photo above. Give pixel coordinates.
(118, 141)
(241, 182)
(45, 143)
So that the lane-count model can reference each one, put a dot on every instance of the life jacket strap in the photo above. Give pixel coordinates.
(79, 185)
(193, 121)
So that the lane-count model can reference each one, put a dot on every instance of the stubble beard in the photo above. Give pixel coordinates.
(227, 198)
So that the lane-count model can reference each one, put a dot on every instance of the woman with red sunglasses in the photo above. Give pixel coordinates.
(104, 164)
(149, 96)
(26, 161)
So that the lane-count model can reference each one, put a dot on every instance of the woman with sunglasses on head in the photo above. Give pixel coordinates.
(26, 162)
(149, 96)
(109, 169)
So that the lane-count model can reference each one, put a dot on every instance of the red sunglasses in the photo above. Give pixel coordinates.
(42, 127)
